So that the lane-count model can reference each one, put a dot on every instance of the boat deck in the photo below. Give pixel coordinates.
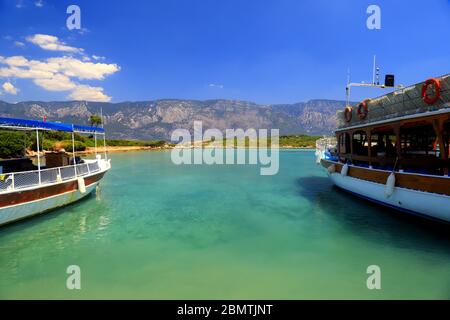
(12, 182)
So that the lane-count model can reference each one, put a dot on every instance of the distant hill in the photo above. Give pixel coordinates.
(157, 119)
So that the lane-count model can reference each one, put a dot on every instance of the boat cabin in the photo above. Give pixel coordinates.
(407, 130)
(419, 145)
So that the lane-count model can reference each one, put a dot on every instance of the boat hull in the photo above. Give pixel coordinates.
(23, 204)
(427, 204)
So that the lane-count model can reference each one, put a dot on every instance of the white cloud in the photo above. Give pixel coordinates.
(15, 61)
(51, 43)
(83, 92)
(20, 67)
(58, 82)
(19, 44)
(20, 4)
(60, 74)
(213, 85)
(39, 3)
(9, 88)
(72, 67)
(98, 57)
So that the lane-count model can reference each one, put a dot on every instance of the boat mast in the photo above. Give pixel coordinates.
(374, 66)
(38, 157)
(95, 143)
(347, 88)
(375, 82)
(104, 134)
(73, 152)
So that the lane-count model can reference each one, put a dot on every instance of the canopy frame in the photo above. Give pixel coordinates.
(36, 125)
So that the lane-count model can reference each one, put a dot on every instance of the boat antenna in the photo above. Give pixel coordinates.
(374, 68)
(347, 88)
(104, 134)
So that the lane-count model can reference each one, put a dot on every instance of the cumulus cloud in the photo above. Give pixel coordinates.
(83, 92)
(58, 82)
(9, 88)
(72, 67)
(51, 43)
(60, 74)
(39, 3)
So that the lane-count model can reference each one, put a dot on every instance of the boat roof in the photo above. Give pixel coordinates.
(400, 104)
(24, 124)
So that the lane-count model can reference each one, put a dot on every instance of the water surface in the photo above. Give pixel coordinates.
(160, 231)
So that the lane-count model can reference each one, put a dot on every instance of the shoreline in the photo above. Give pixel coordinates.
(119, 149)
(123, 149)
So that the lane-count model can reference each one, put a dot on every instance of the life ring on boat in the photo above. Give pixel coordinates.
(437, 88)
(348, 114)
(363, 109)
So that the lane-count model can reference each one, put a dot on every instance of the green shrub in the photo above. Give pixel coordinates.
(48, 145)
(13, 144)
(95, 120)
(44, 143)
(67, 145)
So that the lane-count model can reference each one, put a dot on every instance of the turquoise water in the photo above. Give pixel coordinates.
(160, 231)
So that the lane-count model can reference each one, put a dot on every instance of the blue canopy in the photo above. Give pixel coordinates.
(35, 124)
(78, 128)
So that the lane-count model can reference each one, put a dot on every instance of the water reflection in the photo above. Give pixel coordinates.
(84, 219)
(373, 222)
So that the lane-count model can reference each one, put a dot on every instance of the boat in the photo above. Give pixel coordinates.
(54, 179)
(394, 150)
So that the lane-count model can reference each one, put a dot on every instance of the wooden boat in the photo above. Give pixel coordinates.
(394, 150)
(25, 193)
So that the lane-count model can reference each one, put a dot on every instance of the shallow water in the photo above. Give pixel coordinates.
(160, 231)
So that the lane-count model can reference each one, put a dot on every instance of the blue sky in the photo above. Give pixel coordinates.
(266, 51)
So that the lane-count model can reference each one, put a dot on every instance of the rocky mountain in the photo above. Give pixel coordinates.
(157, 119)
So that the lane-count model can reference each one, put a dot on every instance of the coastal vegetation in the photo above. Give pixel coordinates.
(13, 143)
(299, 141)
(289, 141)
(16, 143)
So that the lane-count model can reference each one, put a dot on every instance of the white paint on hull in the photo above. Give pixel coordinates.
(436, 206)
(28, 209)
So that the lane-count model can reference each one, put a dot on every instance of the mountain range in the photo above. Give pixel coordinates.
(157, 119)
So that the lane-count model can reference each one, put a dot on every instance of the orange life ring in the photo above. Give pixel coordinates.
(363, 109)
(348, 114)
(437, 88)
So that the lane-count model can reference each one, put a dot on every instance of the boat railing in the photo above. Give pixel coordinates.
(21, 180)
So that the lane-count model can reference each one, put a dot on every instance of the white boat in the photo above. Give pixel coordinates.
(395, 150)
(27, 193)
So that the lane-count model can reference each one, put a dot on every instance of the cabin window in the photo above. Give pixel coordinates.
(384, 144)
(447, 138)
(360, 143)
(419, 141)
(344, 143)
